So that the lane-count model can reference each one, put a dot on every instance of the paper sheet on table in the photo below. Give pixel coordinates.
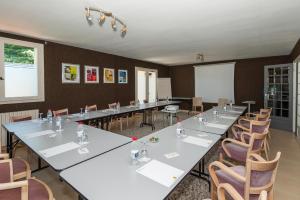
(220, 126)
(59, 149)
(197, 141)
(160, 172)
(227, 117)
(40, 133)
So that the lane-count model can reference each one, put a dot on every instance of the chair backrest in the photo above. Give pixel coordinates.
(20, 118)
(92, 108)
(197, 102)
(61, 112)
(112, 105)
(259, 126)
(260, 175)
(265, 111)
(223, 102)
(262, 117)
(6, 169)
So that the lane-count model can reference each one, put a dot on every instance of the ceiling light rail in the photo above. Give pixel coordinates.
(102, 17)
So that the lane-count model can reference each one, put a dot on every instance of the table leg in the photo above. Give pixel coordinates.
(171, 119)
(249, 109)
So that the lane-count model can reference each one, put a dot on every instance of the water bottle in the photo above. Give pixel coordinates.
(179, 130)
(86, 110)
(230, 105)
(80, 131)
(118, 106)
(49, 116)
(59, 123)
(134, 152)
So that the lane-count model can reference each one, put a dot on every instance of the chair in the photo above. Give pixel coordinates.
(239, 151)
(222, 102)
(251, 126)
(92, 108)
(20, 168)
(61, 112)
(119, 119)
(94, 122)
(197, 102)
(19, 119)
(250, 180)
(226, 191)
(30, 189)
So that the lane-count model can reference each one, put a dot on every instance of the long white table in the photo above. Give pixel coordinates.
(112, 176)
(40, 136)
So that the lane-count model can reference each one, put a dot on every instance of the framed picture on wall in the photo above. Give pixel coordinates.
(122, 76)
(108, 75)
(91, 74)
(70, 73)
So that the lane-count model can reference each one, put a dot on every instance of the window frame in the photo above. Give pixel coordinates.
(40, 72)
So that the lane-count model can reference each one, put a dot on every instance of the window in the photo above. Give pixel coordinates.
(21, 71)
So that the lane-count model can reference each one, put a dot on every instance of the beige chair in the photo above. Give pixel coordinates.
(119, 120)
(18, 145)
(29, 189)
(223, 102)
(92, 108)
(197, 103)
(94, 122)
(61, 112)
(250, 180)
(227, 192)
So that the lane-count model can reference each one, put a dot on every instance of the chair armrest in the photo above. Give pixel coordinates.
(12, 185)
(227, 188)
(256, 157)
(224, 168)
(4, 156)
(243, 136)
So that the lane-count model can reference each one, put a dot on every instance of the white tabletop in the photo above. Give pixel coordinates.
(112, 176)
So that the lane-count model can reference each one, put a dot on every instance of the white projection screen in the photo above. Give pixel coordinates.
(214, 81)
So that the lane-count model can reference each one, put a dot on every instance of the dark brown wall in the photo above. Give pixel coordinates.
(248, 83)
(296, 51)
(74, 96)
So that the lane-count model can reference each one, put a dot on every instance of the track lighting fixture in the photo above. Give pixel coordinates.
(102, 17)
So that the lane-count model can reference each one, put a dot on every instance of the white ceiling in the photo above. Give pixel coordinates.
(163, 31)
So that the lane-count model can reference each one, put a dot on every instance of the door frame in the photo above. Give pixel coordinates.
(296, 65)
(281, 122)
(147, 80)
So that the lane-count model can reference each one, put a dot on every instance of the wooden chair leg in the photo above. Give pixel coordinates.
(213, 193)
(266, 150)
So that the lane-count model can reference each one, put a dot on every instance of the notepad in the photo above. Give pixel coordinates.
(40, 133)
(235, 111)
(59, 149)
(220, 126)
(197, 141)
(171, 155)
(227, 117)
(161, 173)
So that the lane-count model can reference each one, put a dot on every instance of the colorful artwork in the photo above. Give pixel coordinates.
(91, 74)
(70, 73)
(108, 75)
(122, 76)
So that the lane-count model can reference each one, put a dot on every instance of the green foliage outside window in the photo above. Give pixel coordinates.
(18, 54)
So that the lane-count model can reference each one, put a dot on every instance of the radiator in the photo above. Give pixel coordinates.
(5, 118)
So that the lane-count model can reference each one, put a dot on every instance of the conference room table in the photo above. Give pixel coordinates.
(61, 149)
(103, 115)
(114, 176)
(212, 123)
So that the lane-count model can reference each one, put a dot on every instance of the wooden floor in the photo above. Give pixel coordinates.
(287, 184)
(288, 178)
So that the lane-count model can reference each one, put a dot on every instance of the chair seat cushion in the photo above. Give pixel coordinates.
(258, 179)
(36, 190)
(18, 165)
(237, 152)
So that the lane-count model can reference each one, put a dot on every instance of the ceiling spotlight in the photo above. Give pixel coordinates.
(101, 19)
(200, 57)
(113, 24)
(88, 15)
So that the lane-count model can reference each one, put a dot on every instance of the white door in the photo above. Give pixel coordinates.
(145, 84)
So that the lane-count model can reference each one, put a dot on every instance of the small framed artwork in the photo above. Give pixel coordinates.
(70, 73)
(122, 76)
(108, 75)
(91, 74)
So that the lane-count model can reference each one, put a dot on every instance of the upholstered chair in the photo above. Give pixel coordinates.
(61, 112)
(223, 102)
(249, 180)
(197, 103)
(30, 189)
